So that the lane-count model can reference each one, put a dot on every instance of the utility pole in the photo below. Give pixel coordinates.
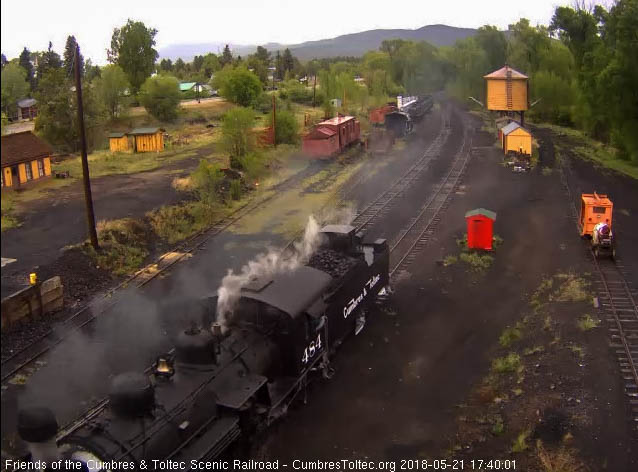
(88, 199)
(314, 91)
(274, 119)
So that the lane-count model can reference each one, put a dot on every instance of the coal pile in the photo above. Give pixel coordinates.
(332, 262)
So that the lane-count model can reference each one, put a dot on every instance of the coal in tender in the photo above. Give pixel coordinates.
(332, 262)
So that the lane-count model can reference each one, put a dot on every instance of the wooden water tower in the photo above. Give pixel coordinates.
(507, 91)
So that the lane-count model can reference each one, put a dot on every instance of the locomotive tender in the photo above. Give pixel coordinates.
(214, 387)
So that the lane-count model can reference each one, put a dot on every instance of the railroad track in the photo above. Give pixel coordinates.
(617, 303)
(414, 238)
(88, 313)
(382, 203)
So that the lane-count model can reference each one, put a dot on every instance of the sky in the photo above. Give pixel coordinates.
(36, 22)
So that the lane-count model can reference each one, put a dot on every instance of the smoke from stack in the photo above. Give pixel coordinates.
(265, 265)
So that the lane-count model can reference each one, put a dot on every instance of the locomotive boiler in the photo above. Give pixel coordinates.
(217, 386)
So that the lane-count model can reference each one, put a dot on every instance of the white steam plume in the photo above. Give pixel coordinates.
(265, 265)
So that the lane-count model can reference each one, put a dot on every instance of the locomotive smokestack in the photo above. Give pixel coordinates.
(38, 427)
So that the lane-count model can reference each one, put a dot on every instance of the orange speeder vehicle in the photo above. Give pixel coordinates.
(595, 223)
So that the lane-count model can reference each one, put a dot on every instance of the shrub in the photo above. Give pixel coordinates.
(287, 127)
(478, 262)
(520, 443)
(253, 165)
(160, 96)
(509, 363)
(235, 189)
(509, 335)
(587, 322)
(207, 182)
(174, 223)
(123, 245)
(237, 131)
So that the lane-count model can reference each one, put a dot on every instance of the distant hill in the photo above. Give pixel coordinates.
(355, 44)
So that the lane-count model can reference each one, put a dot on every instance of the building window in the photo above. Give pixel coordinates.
(29, 172)
(40, 168)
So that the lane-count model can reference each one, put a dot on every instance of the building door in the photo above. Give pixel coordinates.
(15, 179)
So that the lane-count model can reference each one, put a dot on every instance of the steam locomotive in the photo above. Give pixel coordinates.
(215, 387)
(410, 110)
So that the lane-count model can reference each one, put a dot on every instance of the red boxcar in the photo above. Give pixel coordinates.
(480, 228)
(331, 136)
(377, 116)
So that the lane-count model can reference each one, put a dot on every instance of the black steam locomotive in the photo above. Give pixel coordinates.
(215, 387)
(401, 122)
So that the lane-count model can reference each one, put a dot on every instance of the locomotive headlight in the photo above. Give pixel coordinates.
(165, 367)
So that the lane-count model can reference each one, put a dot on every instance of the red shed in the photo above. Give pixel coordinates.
(377, 115)
(340, 131)
(480, 228)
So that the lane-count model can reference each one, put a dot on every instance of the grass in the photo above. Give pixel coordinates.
(450, 260)
(478, 262)
(174, 223)
(498, 427)
(123, 245)
(509, 363)
(509, 335)
(547, 171)
(578, 350)
(9, 220)
(561, 460)
(530, 351)
(586, 323)
(520, 443)
(592, 150)
(571, 289)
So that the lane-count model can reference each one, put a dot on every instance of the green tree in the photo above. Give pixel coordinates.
(494, 44)
(14, 87)
(27, 65)
(91, 71)
(57, 111)
(198, 61)
(166, 65)
(227, 57)
(237, 131)
(160, 96)
(287, 127)
(49, 60)
(113, 88)
(238, 85)
(69, 56)
(288, 61)
(262, 54)
(210, 65)
(180, 65)
(132, 48)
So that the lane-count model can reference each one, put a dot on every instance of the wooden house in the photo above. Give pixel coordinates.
(120, 142)
(148, 139)
(25, 158)
(515, 138)
(507, 89)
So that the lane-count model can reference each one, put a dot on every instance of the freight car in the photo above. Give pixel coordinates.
(217, 385)
(331, 136)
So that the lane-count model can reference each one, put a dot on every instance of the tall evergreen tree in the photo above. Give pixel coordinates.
(288, 61)
(27, 65)
(227, 56)
(49, 60)
(69, 54)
